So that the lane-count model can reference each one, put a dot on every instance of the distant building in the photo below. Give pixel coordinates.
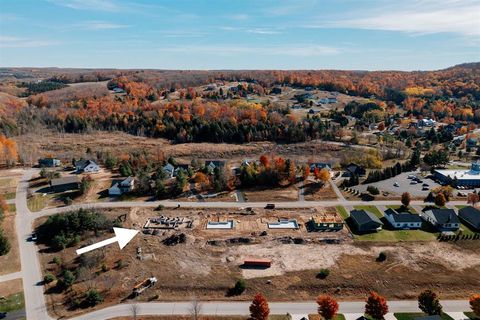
(64, 184)
(49, 162)
(403, 221)
(426, 123)
(276, 90)
(320, 166)
(460, 178)
(211, 165)
(471, 217)
(118, 90)
(120, 187)
(354, 169)
(365, 221)
(87, 166)
(169, 170)
(442, 219)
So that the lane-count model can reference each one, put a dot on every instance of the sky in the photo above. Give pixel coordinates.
(240, 34)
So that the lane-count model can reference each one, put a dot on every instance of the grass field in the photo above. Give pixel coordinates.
(412, 316)
(9, 196)
(37, 202)
(371, 209)
(12, 302)
(5, 182)
(12, 207)
(342, 212)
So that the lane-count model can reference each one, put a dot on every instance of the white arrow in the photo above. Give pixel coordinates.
(122, 236)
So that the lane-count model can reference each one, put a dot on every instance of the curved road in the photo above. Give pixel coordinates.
(32, 276)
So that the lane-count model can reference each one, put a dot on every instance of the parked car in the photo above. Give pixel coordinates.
(413, 182)
(270, 206)
(425, 188)
(395, 184)
(33, 237)
(411, 176)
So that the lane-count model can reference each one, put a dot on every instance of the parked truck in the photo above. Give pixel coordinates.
(144, 285)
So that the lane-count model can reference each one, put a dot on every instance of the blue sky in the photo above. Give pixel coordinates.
(240, 34)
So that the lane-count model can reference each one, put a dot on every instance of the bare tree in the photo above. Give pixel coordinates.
(195, 308)
(134, 308)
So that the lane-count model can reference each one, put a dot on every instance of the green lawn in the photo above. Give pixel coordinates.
(37, 202)
(342, 212)
(466, 230)
(371, 209)
(460, 207)
(411, 316)
(12, 302)
(318, 317)
(471, 315)
(12, 207)
(396, 235)
(397, 207)
(9, 196)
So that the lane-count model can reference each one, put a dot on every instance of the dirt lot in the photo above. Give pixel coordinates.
(11, 287)
(68, 146)
(10, 262)
(277, 194)
(315, 192)
(208, 262)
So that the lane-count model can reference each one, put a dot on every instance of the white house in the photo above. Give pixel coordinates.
(87, 166)
(403, 221)
(120, 187)
(442, 219)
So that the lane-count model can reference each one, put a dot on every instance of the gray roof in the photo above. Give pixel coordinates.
(83, 163)
(403, 217)
(443, 216)
(362, 217)
(470, 215)
(64, 180)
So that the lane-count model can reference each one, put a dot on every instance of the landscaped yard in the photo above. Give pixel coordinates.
(412, 316)
(318, 317)
(12, 302)
(37, 202)
(400, 208)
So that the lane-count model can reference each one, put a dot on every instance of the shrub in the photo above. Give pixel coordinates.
(4, 244)
(49, 278)
(57, 261)
(67, 201)
(323, 273)
(67, 280)
(104, 267)
(239, 287)
(373, 190)
(93, 297)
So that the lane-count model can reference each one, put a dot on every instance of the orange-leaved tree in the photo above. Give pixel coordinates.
(475, 304)
(259, 309)
(376, 306)
(327, 306)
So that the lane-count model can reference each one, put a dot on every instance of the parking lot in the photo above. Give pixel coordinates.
(401, 183)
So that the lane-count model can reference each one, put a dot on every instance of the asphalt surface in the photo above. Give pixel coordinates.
(35, 306)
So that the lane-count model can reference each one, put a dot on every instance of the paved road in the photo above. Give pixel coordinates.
(241, 308)
(32, 276)
(35, 306)
(11, 276)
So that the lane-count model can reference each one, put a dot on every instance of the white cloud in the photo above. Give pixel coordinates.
(291, 50)
(418, 17)
(15, 42)
(265, 31)
(101, 25)
(101, 5)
